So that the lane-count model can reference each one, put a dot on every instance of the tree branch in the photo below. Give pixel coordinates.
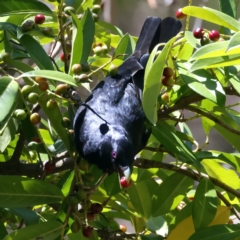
(213, 118)
(145, 163)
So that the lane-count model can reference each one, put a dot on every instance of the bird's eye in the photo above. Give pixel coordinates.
(104, 128)
(114, 154)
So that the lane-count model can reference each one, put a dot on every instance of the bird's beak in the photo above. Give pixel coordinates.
(123, 172)
(127, 173)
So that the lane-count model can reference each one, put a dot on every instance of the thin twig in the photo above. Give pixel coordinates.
(213, 118)
(228, 204)
(145, 163)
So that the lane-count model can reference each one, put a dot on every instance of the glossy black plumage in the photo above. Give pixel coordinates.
(109, 127)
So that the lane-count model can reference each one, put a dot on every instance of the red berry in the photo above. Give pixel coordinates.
(122, 227)
(124, 183)
(168, 82)
(198, 33)
(39, 19)
(90, 216)
(87, 232)
(43, 85)
(96, 208)
(62, 57)
(180, 15)
(49, 167)
(167, 72)
(35, 118)
(214, 35)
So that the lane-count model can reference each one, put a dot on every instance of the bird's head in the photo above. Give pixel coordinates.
(117, 150)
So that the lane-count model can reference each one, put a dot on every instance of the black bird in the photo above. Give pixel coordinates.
(109, 126)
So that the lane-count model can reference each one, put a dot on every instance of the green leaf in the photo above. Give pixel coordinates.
(110, 27)
(47, 231)
(232, 159)
(29, 216)
(233, 44)
(169, 194)
(204, 204)
(140, 195)
(192, 40)
(213, 16)
(111, 184)
(54, 115)
(216, 62)
(158, 225)
(217, 171)
(125, 46)
(18, 191)
(180, 216)
(166, 136)
(152, 80)
(12, 7)
(216, 49)
(102, 35)
(8, 133)
(221, 231)
(8, 96)
(37, 52)
(12, 28)
(203, 83)
(229, 7)
(3, 231)
(54, 75)
(82, 38)
(67, 185)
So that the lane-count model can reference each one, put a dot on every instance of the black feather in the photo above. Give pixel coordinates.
(109, 127)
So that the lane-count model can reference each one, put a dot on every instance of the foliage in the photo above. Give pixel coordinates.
(46, 193)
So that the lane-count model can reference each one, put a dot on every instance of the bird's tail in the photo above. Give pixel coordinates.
(154, 31)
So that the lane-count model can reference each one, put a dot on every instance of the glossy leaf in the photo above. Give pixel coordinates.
(203, 83)
(8, 96)
(67, 185)
(23, 192)
(36, 52)
(185, 228)
(228, 7)
(140, 195)
(110, 27)
(82, 38)
(212, 16)
(215, 62)
(54, 75)
(55, 117)
(3, 230)
(226, 232)
(169, 194)
(46, 230)
(204, 204)
(216, 49)
(152, 80)
(30, 217)
(23, 7)
(224, 175)
(125, 46)
(170, 141)
(233, 43)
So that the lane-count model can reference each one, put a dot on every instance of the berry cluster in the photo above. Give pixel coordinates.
(205, 36)
(200, 33)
